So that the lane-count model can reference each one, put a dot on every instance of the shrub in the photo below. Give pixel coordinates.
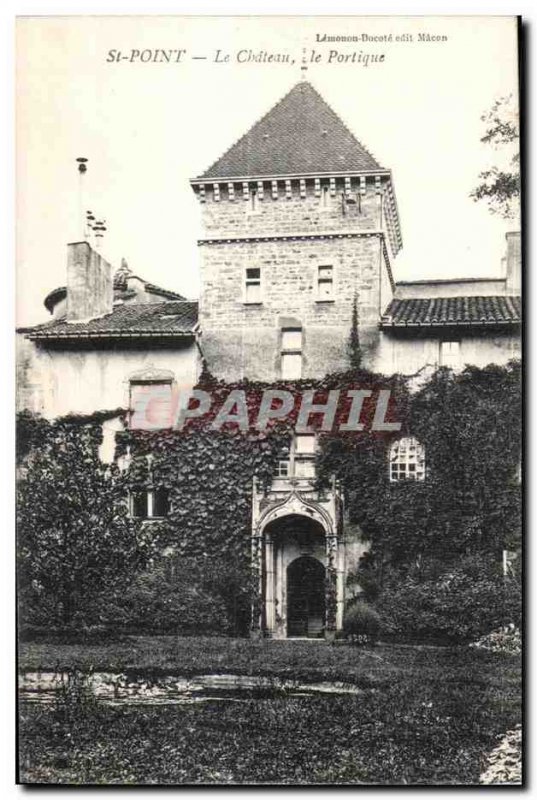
(154, 603)
(506, 640)
(69, 634)
(362, 622)
(504, 764)
(456, 607)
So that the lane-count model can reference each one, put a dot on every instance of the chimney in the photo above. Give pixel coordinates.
(513, 263)
(89, 283)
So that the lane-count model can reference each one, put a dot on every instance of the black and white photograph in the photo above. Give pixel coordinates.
(269, 428)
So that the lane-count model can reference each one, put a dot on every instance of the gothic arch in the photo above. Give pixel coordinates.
(296, 504)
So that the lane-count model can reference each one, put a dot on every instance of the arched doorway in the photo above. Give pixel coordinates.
(305, 597)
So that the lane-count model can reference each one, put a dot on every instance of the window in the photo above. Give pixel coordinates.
(161, 503)
(291, 354)
(151, 404)
(150, 503)
(325, 283)
(305, 444)
(450, 354)
(291, 366)
(283, 469)
(304, 452)
(299, 460)
(139, 505)
(253, 285)
(304, 467)
(292, 339)
(407, 460)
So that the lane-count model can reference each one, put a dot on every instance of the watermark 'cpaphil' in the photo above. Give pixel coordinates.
(309, 410)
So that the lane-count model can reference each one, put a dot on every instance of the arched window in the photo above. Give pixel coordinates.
(407, 460)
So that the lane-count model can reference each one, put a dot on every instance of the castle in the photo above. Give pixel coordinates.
(301, 230)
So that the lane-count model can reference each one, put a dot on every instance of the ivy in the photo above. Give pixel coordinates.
(469, 424)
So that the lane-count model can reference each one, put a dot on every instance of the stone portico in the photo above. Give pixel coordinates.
(298, 558)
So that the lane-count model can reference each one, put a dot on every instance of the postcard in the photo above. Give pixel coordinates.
(269, 427)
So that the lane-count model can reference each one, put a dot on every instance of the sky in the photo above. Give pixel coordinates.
(147, 128)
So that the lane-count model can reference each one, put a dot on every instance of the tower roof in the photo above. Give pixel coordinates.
(300, 135)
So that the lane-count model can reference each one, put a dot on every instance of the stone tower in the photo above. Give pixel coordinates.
(298, 220)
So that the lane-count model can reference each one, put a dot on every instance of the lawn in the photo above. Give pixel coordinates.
(426, 715)
(170, 655)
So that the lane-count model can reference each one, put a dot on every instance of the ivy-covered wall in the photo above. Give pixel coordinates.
(469, 424)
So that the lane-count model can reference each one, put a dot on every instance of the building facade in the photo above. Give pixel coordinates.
(300, 229)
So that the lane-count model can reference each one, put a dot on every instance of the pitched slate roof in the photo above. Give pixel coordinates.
(169, 319)
(445, 311)
(300, 135)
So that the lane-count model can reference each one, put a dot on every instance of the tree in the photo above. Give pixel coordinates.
(500, 185)
(75, 537)
(355, 351)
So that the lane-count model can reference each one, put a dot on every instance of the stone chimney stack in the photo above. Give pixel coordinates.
(513, 263)
(89, 283)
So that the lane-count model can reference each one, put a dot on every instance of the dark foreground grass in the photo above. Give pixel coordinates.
(426, 716)
(303, 660)
(172, 655)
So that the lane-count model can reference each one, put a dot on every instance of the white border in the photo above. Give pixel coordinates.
(8, 11)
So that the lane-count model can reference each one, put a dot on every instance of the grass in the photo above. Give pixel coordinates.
(168, 655)
(426, 716)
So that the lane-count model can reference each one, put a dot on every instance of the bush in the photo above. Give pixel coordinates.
(506, 640)
(362, 622)
(504, 764)
(154, 603)
(69, 634)
(457, 607)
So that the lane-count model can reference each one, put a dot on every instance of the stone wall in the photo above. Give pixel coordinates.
(287, 215)
(288, 240)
